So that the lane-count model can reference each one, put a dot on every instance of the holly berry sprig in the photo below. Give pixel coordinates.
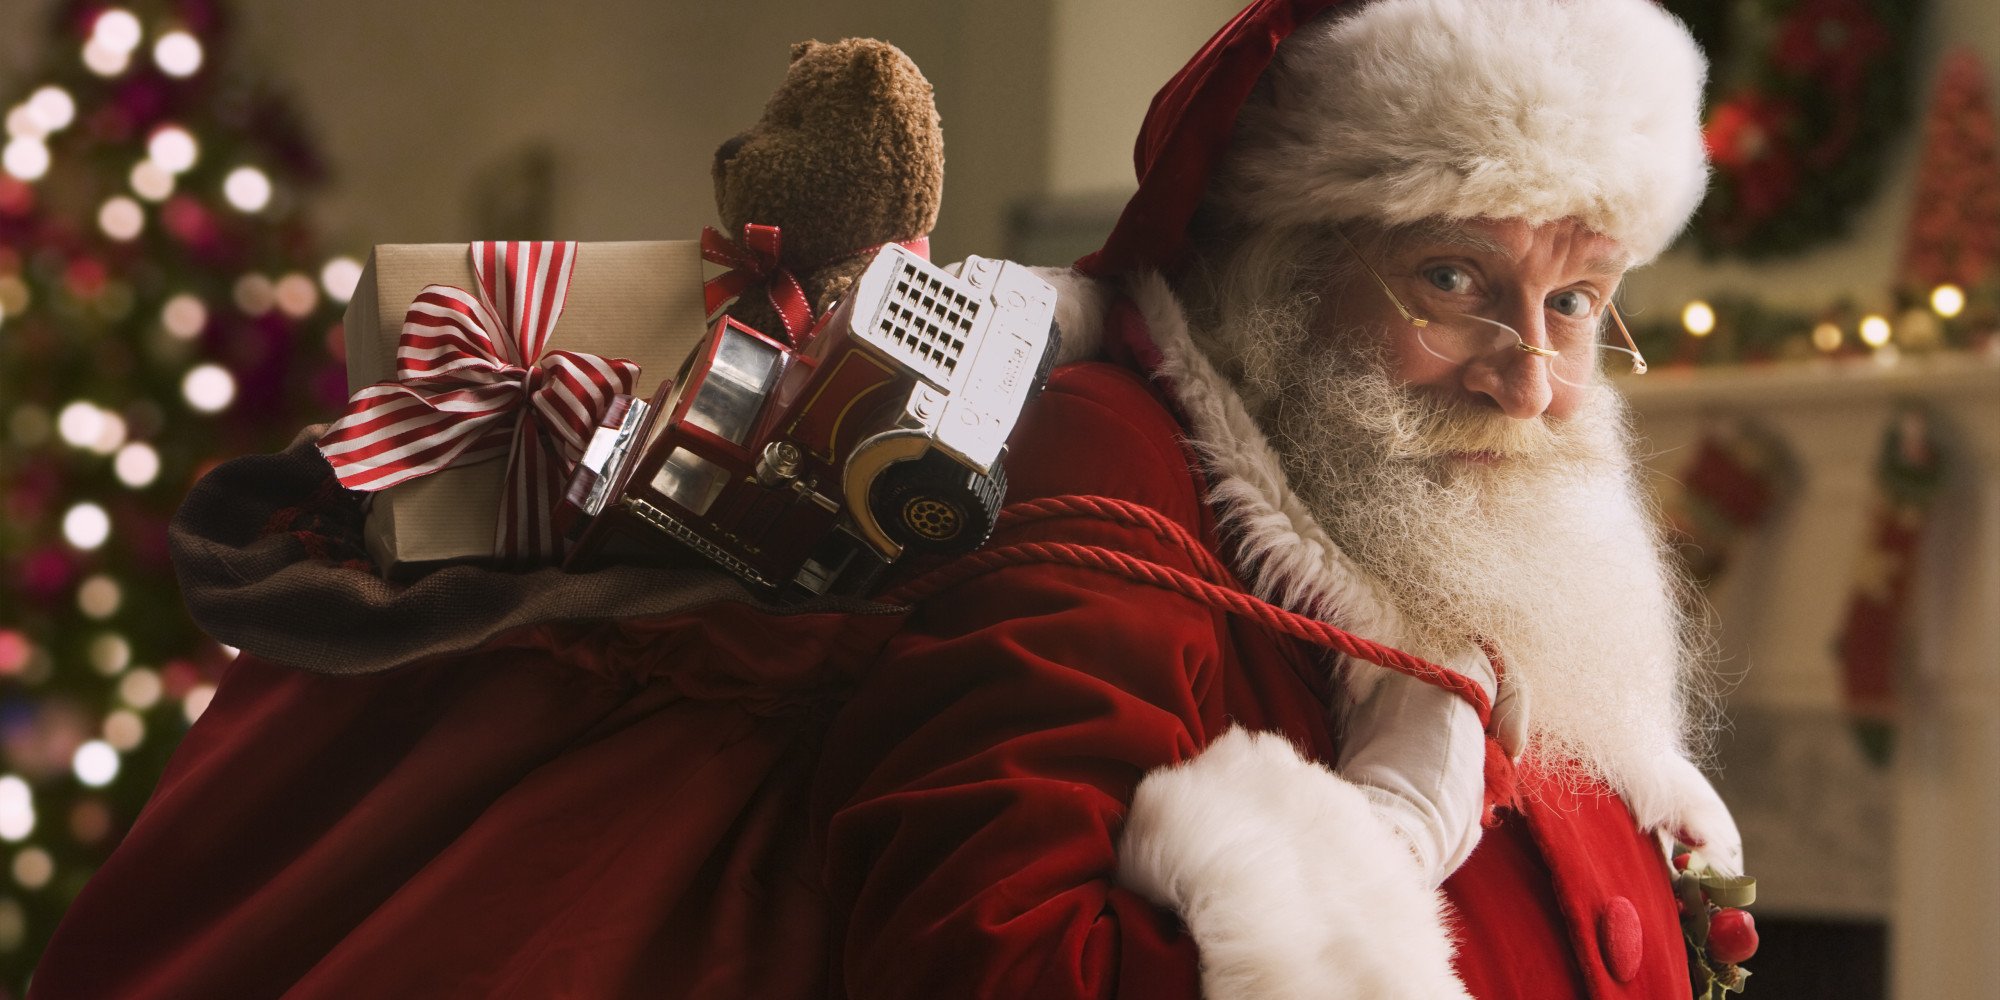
(1719, 931)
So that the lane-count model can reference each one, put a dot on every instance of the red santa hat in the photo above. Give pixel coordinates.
(1399, 110)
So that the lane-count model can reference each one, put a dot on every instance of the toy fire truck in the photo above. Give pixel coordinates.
(808, 470)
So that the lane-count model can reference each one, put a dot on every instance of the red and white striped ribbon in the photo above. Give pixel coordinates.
(472, 383)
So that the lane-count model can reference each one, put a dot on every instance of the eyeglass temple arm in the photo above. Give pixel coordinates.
(1386, 290)
(1638, 360)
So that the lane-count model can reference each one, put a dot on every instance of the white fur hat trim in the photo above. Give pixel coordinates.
(1529, 109)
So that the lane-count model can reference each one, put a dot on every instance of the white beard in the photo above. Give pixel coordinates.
(1548, 554)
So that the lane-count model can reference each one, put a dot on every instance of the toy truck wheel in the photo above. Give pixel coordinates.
(933, 504)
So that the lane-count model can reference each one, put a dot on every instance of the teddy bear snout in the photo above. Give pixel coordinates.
(727, 151)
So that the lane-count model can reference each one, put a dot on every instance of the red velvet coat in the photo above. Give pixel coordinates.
(652, 807)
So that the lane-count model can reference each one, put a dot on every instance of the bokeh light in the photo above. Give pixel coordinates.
(1875, 330)
(184, 315)
(339, 277)
(1948, 300)
(121, 218)
(99, 596)
(248, 189)
(297, 295)
(177, 53)
(151, 181)
(17, 808)
(95, 763)
(197, 702)
(140, 688)
(209, 388)
(86, 526)
(137, 465)
(26, 157)
(173, 149)
(1698, 318)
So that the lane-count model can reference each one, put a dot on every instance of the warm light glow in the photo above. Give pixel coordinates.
(297, 295)
(184, 316)
(247, 188)
(117, 29)
(13, 924)
(26, 158)
(1699, 318)
(177, 53)
(95, 763)
(151, 181)
(99, 596)
(104, 60)
(1948, 300)
(140, 688)
(110, 654)
(86, 526)
(255, 294)
(121, 218)
(21, 121)
(80, 424)
(1874, 331)
(173, 149)
(137, 465)
(17, 808)
(1827, 337)
(14, 652)
(339, 277)
(33, 868)
(86, 426)
(197, 701)
(124, 730)
(229, 652)
(53, 108)
(14, 294)
(209, 388)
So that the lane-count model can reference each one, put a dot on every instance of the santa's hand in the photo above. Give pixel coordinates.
(1682, 804)
(1418, 752)
(1287, 880)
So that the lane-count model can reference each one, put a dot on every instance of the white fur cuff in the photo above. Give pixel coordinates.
(1286, 880)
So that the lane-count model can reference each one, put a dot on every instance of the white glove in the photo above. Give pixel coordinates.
(1419, 754)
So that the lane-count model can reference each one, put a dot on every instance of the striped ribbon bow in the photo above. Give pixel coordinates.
(472, 383)
(755, 262)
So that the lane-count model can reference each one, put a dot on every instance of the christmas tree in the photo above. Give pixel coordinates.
(1954, 236)
(161, 307)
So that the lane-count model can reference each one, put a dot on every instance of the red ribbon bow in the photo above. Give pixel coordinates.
(752, 262)
(755, 262)
(472, 383)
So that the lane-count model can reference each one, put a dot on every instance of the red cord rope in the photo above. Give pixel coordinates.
(1207, 591)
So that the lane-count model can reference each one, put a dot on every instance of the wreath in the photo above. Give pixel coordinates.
(1804, 99)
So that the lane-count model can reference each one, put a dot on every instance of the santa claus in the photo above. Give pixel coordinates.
(1343, 351)
(1368, 280)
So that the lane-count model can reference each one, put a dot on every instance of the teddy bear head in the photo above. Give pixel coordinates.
(848, 155)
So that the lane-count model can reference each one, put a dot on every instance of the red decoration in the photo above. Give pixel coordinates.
(1954, 234)
(756, 262)
(1747, 139)
(1732, 936)
(1870, 639)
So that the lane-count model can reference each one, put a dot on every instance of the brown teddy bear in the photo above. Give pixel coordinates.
(848, 156)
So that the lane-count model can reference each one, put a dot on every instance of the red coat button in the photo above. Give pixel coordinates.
(1620, 938)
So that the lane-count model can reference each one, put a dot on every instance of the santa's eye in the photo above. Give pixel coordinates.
(1448, 278)
(1572, 303)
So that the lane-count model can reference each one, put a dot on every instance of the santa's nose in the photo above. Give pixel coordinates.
(1517, 380)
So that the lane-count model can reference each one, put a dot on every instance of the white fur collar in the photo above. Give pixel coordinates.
(1283, 554)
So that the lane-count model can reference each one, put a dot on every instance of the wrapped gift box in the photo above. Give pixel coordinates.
(640, 301)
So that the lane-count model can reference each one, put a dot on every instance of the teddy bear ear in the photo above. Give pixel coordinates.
(801, 49)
